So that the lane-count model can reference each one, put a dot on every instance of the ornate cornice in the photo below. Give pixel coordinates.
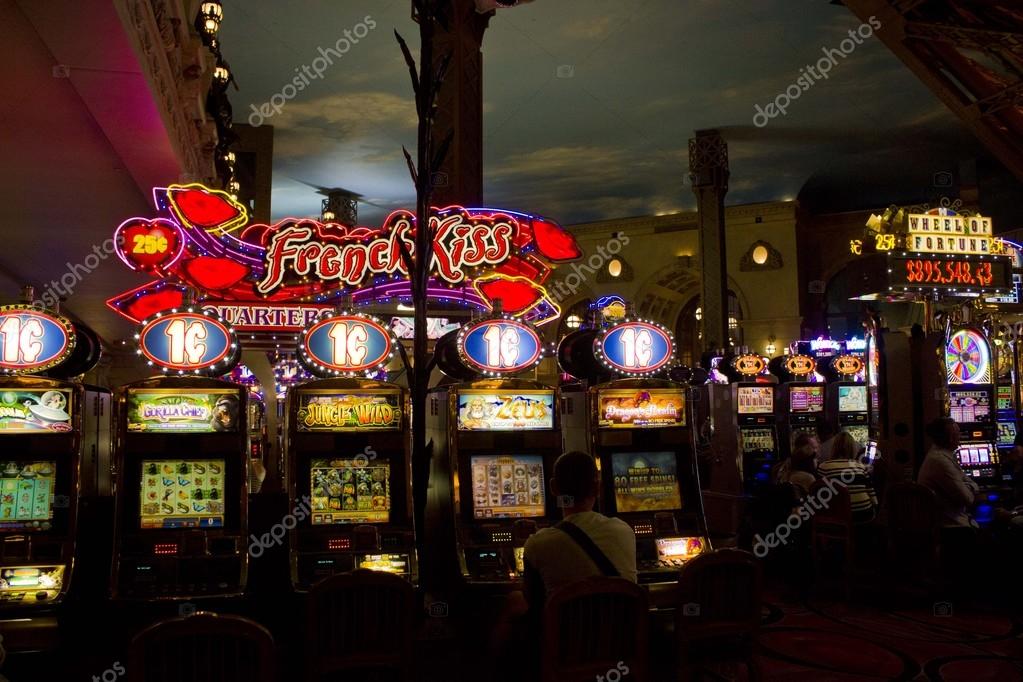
(177, 71)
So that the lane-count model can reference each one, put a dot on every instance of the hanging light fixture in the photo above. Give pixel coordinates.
(207, 23)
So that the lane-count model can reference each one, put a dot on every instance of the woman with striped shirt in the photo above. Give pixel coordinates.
(844, 466)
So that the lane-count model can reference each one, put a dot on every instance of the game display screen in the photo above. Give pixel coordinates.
(1006, 434)
(646, 481)
(1004, 398)
(969, 407)
(35, 411)
(859, 432)
(182, 493)
(977, 454)
(505, 487)
(350, 491)
(852, 399)
(756, 440)
(806, 399)
(182, 411)
(26, 495)
(505, 410)
(755, 400)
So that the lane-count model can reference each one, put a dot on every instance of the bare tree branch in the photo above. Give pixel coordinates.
(411, 166)
(411, 63)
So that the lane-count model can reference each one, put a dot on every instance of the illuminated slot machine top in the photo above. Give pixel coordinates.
(971, 393)
(753, 401)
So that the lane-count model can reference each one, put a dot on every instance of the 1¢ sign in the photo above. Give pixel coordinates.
(347, 344)
(188, 342)
(32, 340)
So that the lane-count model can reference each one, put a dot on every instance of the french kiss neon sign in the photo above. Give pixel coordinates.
(203, 242)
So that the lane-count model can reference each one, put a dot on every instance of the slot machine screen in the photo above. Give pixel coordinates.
(757, 440)
(182, 493)
(506, 487)
(26, 495)
(852, 399)
(1004, 399)
(1006, 434)
(976, 454)
(806, 399)
(349, 491)
(755, 400)
(646, 481)
(969, 407)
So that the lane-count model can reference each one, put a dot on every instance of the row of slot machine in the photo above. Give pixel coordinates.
(182, 444)
(760, 407)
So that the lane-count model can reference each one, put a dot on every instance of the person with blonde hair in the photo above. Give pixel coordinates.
(845, 467)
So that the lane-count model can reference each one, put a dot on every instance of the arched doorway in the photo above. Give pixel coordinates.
(688, 337)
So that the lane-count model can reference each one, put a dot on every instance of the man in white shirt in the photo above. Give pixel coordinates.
(592, 545)
(941, 473)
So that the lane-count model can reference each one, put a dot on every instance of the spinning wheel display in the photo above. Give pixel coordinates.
(968, 358)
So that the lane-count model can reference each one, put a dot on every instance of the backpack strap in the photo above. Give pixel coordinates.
(587, 544)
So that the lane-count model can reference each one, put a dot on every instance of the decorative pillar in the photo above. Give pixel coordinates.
(708, 171)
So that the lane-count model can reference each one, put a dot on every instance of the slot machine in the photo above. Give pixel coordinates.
(181, 454)
(348, 452)
(847, 400)
(494, 444)
(1005, 396)
(801, 404)
(640, 432)
(40, 460)
(750, 408)
(971, 393)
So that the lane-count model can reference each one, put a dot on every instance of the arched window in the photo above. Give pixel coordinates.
(688, 336)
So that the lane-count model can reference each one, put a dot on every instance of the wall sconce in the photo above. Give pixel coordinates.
(771, 347)
(208, 21)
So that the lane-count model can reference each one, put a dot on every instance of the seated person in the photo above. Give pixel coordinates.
(585, 544)
(954, 490)
(799, 469)
(845, 467)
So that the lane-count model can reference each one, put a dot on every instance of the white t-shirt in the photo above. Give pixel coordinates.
(560, 560)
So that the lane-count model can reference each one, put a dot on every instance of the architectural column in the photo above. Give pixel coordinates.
(708, 171)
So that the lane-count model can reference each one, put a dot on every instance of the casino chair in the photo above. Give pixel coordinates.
(831, 527)
(359, 626)
(913, 526)
(203, 647)
(718, 611)
(593, 627)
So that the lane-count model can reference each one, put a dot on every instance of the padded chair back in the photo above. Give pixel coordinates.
(835, 506)
(203, 647)
(593, 627)
(719, 594)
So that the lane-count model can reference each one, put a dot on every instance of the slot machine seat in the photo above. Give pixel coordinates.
(203, 647)
(360, 622)
(718, 610)
(832, 526)
(913, 526)
(591, 626)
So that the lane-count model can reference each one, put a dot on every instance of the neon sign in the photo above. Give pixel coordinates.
(347, 345)
(32, 340)
(188, 342)
(800, 365)
(499, 346)
(636, 348)
(749, 365)
(847, 365)
(255, 273)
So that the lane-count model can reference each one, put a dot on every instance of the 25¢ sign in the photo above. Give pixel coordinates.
(32, 340)
(188, 342)
(347, 344)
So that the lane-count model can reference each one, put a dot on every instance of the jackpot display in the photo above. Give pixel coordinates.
(969, 407)
(505, 410)
(181, 411)
(506, 487)
(333, 411)
(26, 495)
(35, 411)
(646, 481)
(628, 408)
(182, 494)
(349, 491)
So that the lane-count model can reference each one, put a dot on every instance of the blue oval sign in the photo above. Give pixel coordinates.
(187, 342)
(635, 348)
(499, 346)
(32, 340)
(348, 344)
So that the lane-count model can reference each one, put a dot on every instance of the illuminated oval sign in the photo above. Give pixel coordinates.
(32, 340)
(847, 365)
(749, 365)
(188, 342)
(499, 346)
(801, 365)
(347, 344)
(635, 348)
